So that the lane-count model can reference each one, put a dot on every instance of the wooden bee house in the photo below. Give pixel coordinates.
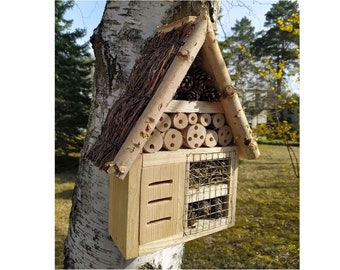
(171, 143)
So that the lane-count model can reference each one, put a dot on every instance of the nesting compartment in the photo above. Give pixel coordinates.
(184, 191)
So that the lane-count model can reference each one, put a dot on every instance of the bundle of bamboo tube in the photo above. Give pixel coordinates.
(189, 130)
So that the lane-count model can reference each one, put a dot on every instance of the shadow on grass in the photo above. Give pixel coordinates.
(66, 194)
(66, 163)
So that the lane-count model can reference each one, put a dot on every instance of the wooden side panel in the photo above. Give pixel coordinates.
(162, 194)
(124, 210)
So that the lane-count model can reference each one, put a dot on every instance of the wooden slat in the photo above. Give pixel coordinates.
(184, 155)
(177, 239)
(194, 106)
(124, 211)
(162, 201)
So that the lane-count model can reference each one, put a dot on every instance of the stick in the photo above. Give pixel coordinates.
(213, 63)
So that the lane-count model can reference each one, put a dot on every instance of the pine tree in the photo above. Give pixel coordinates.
(236, 53)
(72, 83)
(276, 47)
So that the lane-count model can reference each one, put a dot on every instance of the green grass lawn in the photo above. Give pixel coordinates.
(266, 233)
(64, 184)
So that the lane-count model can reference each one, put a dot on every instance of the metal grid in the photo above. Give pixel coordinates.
(207, 191)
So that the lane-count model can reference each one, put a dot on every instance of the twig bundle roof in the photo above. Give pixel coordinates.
(144, 80)
(153, 83)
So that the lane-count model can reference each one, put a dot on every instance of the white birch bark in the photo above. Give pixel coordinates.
(117, 42)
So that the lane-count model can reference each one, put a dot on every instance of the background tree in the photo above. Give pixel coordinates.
(284, 120)
(240, 65)
(277, 47)
(117, 43)
(243, 69)
(72, 84)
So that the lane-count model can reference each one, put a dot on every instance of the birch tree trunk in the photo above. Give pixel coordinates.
(117, 42)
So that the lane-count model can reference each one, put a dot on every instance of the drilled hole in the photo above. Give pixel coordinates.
(160, 200)
(161, 182)
(159, 220)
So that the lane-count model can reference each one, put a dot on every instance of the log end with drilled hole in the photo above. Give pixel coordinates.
(211, 138)
(172, 139)
(154, 143)
(225, 135)
(218, 120)
(164, 123)
(204, 119)
(192, 118)
(179, 120)
(194, 135)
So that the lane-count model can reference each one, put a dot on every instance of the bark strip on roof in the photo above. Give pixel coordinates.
(143, 82)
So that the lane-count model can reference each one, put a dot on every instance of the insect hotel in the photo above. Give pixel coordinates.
(171, 142)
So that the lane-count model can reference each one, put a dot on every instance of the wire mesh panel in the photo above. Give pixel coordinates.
(207, 191)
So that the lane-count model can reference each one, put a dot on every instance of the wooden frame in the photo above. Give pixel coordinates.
(146, 209)
(203, 41)
(150, 209)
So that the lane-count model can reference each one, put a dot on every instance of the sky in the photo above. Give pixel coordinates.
(87, 14)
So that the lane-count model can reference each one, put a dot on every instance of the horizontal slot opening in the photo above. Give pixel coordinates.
(159, 220)
(160, 200)
(162, 182)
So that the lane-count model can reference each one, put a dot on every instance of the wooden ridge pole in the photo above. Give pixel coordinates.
(214, 64)
(142, 130)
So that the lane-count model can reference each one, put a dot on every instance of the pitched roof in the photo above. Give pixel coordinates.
(153, 82)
